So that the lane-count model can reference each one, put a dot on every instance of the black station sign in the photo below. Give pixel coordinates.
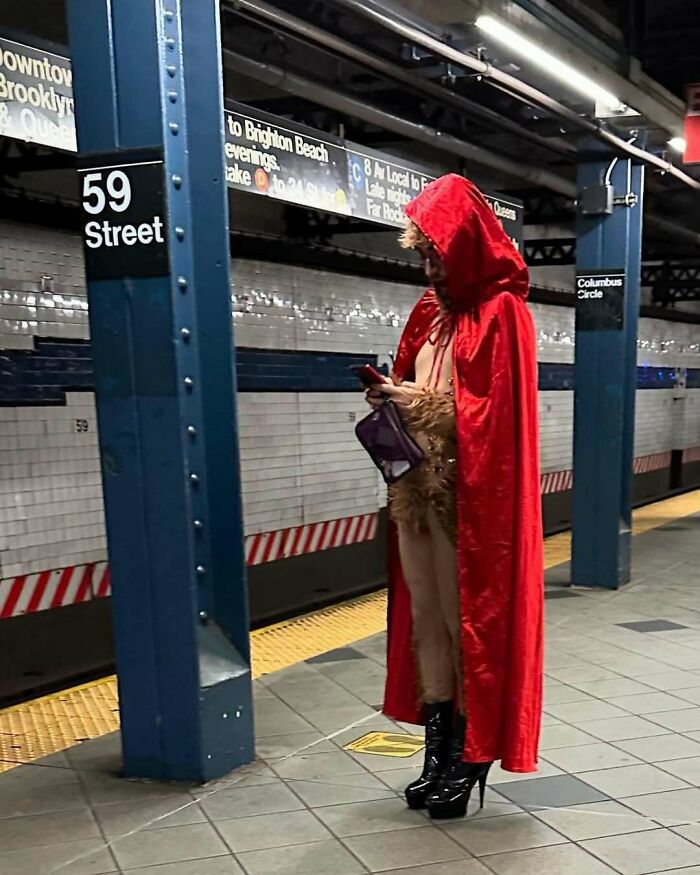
(379, 185)
(124, 215)
(264, 154)
(282, 160)
(270, 156)
(600, 296)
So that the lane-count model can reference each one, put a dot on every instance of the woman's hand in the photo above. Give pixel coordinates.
(403, 395)
(374, 396)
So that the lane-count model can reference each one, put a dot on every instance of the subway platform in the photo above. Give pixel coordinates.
(618, 790)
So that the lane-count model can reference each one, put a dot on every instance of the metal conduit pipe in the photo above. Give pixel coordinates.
(331, 99)
(277, 17)
(516, 87)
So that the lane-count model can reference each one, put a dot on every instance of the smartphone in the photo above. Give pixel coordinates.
(368, 375)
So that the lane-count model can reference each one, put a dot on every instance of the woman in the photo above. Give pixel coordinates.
(465, 604)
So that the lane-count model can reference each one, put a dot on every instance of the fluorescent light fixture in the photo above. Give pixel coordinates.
(548, 62)
(678, 144)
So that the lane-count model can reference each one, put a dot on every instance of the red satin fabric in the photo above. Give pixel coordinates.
(499, 526)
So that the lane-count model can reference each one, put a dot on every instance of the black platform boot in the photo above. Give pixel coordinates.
(438, 735)
(451, 797)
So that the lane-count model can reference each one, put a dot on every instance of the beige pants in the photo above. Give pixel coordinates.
(429, 566)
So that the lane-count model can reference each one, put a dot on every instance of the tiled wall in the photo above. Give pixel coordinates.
(299, 458)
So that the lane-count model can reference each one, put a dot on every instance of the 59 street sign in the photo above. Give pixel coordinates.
(124, 216)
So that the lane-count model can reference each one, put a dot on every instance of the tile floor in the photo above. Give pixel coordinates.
(618, 790)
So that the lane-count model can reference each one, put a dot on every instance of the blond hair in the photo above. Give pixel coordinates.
(412, 236)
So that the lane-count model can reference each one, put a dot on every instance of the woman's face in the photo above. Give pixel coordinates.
(433, 267)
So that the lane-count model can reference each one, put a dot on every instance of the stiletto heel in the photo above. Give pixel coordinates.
(451, 798)
(438, 735)
(482, 785)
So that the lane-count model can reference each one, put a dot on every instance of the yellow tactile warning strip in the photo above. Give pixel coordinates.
(53, 723)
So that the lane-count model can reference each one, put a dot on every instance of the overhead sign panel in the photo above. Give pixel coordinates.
(380, 185)
(264, 154)
(271, 156)
(36, 96)
(274, 157)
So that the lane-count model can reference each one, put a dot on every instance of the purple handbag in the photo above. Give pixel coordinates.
(390, 446)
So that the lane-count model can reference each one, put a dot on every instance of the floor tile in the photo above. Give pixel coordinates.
(332, 719)
(98, 754)
(46, 829)
(618, 686)
(594, 820)
(687, 769)
(318, 858)
(318, 765)
(361, 818)
(119, 818)
(622, 728)
(275, 746)
(86, 857)
(633, 781)
(405, 847)
(560, 693)
(563, 735)
(563, 790)
(584, 758)
(661, 747)
(459, 867)
(340, 654)
(672, 808)
(210, 866)
(648, 852)
(557, 860)
(636, 667)
(247, 801)
(18, 799)
(497, 775)
(279, 830)
(150, 847)
(691, 832)
(691, 694)
(515, 832)
(101, 788)
(349, 788)
(578, 712)
(678, 721)
(576, 674)
(652, 626)
(647, 703)
(672, 680)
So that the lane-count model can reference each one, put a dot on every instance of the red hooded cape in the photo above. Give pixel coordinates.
(499, 525)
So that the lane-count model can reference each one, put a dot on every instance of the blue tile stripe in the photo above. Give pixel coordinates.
(44, 374)
(693, 378)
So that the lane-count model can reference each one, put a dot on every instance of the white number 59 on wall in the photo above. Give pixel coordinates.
(118, 189)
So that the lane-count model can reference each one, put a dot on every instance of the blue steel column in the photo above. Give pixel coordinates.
(148, 73)
(605, 383)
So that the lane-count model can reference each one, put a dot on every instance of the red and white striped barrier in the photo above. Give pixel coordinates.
(41, 591)
(691, 454)
(29, 593)
(556, 481)
(560, 481)
(644, 464)
(298, 540)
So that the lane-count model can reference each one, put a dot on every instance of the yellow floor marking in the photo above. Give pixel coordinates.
(387, 744)
(52, 723)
